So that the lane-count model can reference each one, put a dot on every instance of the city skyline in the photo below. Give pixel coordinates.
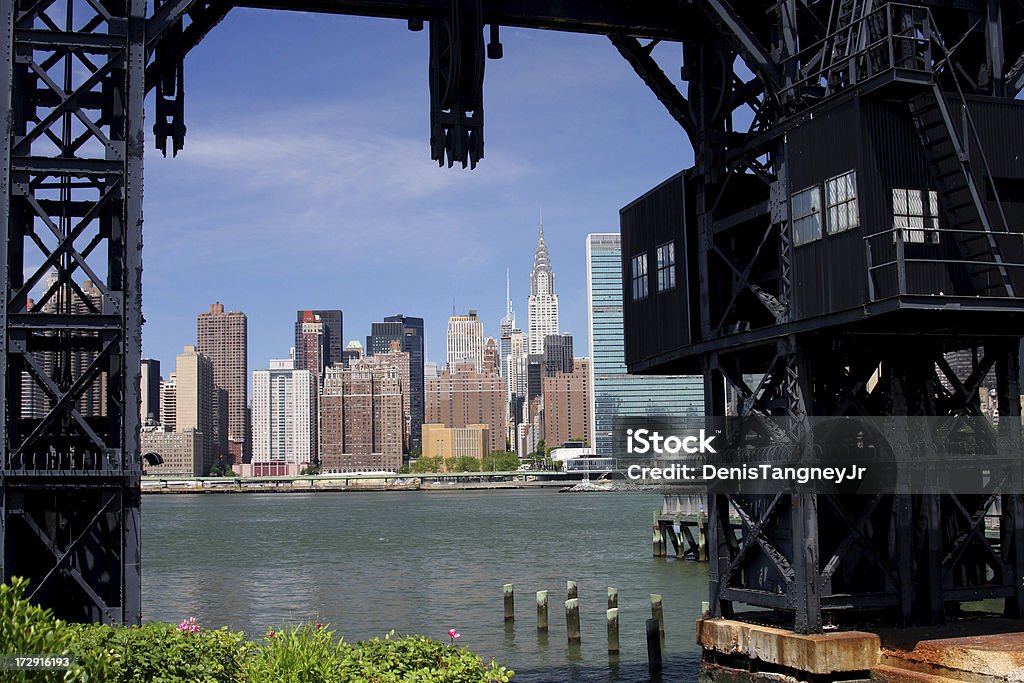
(279, 221)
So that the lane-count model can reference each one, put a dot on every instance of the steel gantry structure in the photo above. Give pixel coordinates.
(73, 84)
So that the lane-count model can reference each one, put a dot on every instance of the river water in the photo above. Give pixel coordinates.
(424, 562)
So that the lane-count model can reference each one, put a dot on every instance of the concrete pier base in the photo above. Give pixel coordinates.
(982, 651)
(738, 651)
(985, 650)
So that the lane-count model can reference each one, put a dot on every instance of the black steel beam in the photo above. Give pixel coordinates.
(665, 20)
(663, 88)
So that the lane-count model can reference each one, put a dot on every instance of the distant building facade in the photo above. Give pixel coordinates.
(471, 441)
(362, 418)
(408, 331)
(149, 393)
(465, 341)
(557, 354)
(284, 414)
(567, 405)
(169, 402)
(400, 362)
(181, 453)
(222, 336)
(464, 397)
(194, 401)
(311, 339)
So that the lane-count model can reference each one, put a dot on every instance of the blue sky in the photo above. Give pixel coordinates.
(306, 179)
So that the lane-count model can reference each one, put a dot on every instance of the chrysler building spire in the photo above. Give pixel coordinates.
(543, 302)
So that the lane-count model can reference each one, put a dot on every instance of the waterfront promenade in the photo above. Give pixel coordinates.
(361, 482)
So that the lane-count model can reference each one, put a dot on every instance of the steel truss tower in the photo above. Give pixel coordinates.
(754, 76)
(71, 188)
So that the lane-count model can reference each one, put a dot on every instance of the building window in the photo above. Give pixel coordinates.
(666, 267)
(639, 277)
(841, 203)
(915, 213)
(807, 215)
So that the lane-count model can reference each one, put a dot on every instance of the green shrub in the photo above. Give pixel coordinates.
(308, 654)
(163, 652)
(302, 654)
(417, 659)
(27, 629)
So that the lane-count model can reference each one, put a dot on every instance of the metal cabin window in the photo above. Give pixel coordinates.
(807, 215)
(639, 277)
(841, 211)
(915, 214)
(666, 267)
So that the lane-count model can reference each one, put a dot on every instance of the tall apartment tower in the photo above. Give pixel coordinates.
(149, 393)
(361, 418)
(465, 341)
(543, 302)
(310, 343)
(567, 404)
(318, 339)
(408, 331)
(464, 396)
(284, 414)
(615, 396)
(194, 401)
(169, 402)
(222, 336)
(400, 362)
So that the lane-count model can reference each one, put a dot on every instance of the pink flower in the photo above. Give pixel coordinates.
(188, 625)
(270, 633)
(319, 625)
(452, 632)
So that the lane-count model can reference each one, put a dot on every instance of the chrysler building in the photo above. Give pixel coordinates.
(543, 302)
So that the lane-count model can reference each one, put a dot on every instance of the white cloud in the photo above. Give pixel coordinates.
(298, 181)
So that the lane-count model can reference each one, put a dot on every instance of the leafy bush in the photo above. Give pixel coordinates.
(166, 653)
(27, 629)
(303, 654)
(163, 652)
(421, 660)
(307, 654)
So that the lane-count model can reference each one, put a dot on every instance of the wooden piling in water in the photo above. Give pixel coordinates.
(510, 602)
(657, 613)
(571, 590)
(653, 645)
(542, 610)
(658, 542)
(572, 619)
(613, 631)
(613, 597)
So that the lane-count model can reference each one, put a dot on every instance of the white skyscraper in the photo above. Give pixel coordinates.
(465, 341)
(516, 365)
(543, 302)
(284, 414)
